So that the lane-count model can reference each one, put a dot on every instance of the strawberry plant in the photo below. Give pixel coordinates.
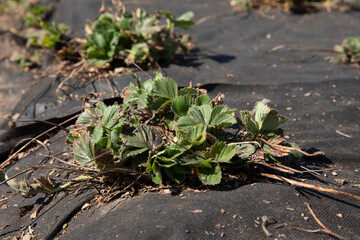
(135, 37)
(26, 61)
(51, 36)
(171, 134)
(174, 132)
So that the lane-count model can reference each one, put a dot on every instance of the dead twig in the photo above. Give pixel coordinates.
(284, 148)
(310, 186)
(342, 134)
(207, 18)
(99, 156)
(278, 168)
(86, 97)
(64, 168)
(31, 140)
(248, 142)
(324, 228)
(265, 222)
(274, 49)
(123, 190)
(73, 72)
(9, 160)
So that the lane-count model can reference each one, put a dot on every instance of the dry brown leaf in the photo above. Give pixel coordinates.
(340, 181)
(355, 185)
(85, 206)
(258, 155)
(36, 212)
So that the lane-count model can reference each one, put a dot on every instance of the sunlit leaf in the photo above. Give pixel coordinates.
(181, 104)
(110, 116)
(86, 118)
(202, 100)
(97, 134)
(221, 116)
(186, 16)
(248, 122)
(166, 87)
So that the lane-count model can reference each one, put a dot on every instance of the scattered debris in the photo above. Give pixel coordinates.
(339, 215)
(265, 221)
(342, 134)
(323, 229)
(340, 181)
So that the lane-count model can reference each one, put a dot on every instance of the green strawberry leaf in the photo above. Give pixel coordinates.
(211, 175)
(165, 87)
(220, 152)
(84, 150)
(181, 104)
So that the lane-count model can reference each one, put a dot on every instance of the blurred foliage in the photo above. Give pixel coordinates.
(294, 5)
(136, 37)
(349, 52)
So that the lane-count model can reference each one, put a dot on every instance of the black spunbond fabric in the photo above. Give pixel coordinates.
(159, 216)
(13, 84)
(232, 214)
(235, 44)
(55, 209)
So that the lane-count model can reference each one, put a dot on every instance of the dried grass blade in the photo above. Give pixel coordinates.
(310, 186)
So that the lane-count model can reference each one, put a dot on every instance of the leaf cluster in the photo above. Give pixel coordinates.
(114, 40)
(42, 184)
(26, 60)
(136, 37)
(11, 4)
(173, 133)
(50, 36)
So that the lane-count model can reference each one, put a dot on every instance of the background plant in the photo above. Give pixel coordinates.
(349, 51)
(136, 37)
(293, 5)
(113, 40)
